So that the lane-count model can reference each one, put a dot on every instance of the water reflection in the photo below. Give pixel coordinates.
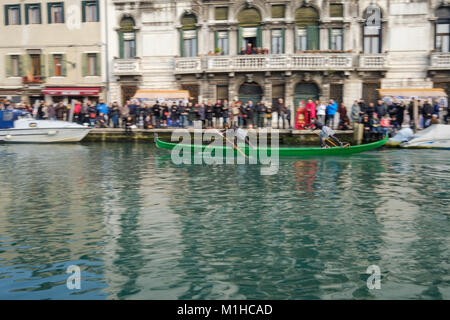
(141, 227)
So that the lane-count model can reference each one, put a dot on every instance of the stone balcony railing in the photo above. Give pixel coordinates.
(124, 67)
(245, 63)
(373, 61)
(440, 61)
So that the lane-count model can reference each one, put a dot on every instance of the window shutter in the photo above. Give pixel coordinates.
(240, 44)
(51, 64)
(20, 66)
(297, 44)
(64, 66)
(259, 38)
(196, 42)
(312, 34)
(62, 12)
(42, 56)
(283, 32)
(181, 43)
(216, 40)
(336, 10)
(49, 12)
(98, 71)
(98, 10)
(221, 13)
(83, 11)
(27, 9)
(27, 65)
(121, 49)
(84, 65)
(330, 38)
(8, 65)
(278, 11)
(6, 15)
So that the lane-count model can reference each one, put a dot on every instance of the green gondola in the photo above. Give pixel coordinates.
(282, 152)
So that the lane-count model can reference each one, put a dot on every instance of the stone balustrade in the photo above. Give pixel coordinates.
(127, 67)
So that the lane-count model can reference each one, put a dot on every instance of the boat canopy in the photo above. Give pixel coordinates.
(413, 93)
(7, 117)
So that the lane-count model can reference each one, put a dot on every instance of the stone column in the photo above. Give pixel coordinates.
(353, 90)
(289, 37)
(267, 89)
(289, 91)
(232, 38)
(232, 94)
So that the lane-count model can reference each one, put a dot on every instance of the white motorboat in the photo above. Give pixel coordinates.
(436, 136)
(17, 126)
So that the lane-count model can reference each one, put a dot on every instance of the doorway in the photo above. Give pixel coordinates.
(305, 91)
(250, 91)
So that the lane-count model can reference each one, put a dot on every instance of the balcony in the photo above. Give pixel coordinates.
(246, 63)
(188, 65)
(127, 67)
(440, 61)
(373, 62)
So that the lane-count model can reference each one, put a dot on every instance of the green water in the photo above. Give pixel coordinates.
(140, 227)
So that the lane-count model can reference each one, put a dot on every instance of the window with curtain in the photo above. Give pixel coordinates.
(277, 41)
(92, 64)
(33, 13)
(336, 39)
(222, 42)
(90, 11)
(190, 43)
(301, 38)
(12, 15)
(372, 30)
(442, 38)
(57, 65)
(15, 66)
(372, 40)
(307, 29)
(127, 38)
(56, 12)
(188, 36)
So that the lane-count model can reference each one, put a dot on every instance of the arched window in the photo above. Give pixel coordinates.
(249, 32)
(442, 39)
(127, 38)
(188, 36)
(307, 29)
(372, 30)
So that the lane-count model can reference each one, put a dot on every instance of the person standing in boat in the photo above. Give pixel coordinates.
(326, 133)
(239, 134)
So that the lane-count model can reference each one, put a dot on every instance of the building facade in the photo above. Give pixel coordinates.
(52, 50)
(341, 49)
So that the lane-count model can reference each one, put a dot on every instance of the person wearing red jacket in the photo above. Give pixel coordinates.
(311, 111)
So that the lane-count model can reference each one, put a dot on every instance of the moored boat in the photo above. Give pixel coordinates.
(17, 126)
(282, 152)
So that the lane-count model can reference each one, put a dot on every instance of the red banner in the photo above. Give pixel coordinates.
(93, 91)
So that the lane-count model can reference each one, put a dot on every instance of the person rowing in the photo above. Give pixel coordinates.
(238, 134)
(326, 134)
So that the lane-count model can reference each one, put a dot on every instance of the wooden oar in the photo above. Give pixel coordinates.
(232, 143)
(331, 142)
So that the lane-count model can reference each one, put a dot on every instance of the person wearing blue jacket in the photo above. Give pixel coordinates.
(331, 112)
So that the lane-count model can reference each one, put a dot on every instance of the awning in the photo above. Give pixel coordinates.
(407, 93)
(162, 94)
(74, 91)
